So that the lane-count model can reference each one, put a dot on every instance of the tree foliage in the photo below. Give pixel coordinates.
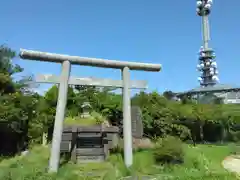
(31, 114)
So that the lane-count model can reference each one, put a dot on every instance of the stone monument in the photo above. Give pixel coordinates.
(136, 121)
(137, 124)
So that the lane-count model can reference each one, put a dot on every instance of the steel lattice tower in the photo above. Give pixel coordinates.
(207, 65)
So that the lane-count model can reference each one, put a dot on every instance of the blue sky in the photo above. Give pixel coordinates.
(160, 31)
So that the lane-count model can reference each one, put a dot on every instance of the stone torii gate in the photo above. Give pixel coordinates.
(64, 79)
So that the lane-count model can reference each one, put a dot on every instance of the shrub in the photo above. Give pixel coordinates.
(169, 150)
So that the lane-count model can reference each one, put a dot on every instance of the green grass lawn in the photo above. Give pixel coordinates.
(94, 119)
(201, 162)
(80, 121)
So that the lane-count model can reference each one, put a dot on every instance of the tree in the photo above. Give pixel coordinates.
(169, 95)
(17, 108)
(7, 69)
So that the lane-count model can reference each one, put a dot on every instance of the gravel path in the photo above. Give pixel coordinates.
(232, 164)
